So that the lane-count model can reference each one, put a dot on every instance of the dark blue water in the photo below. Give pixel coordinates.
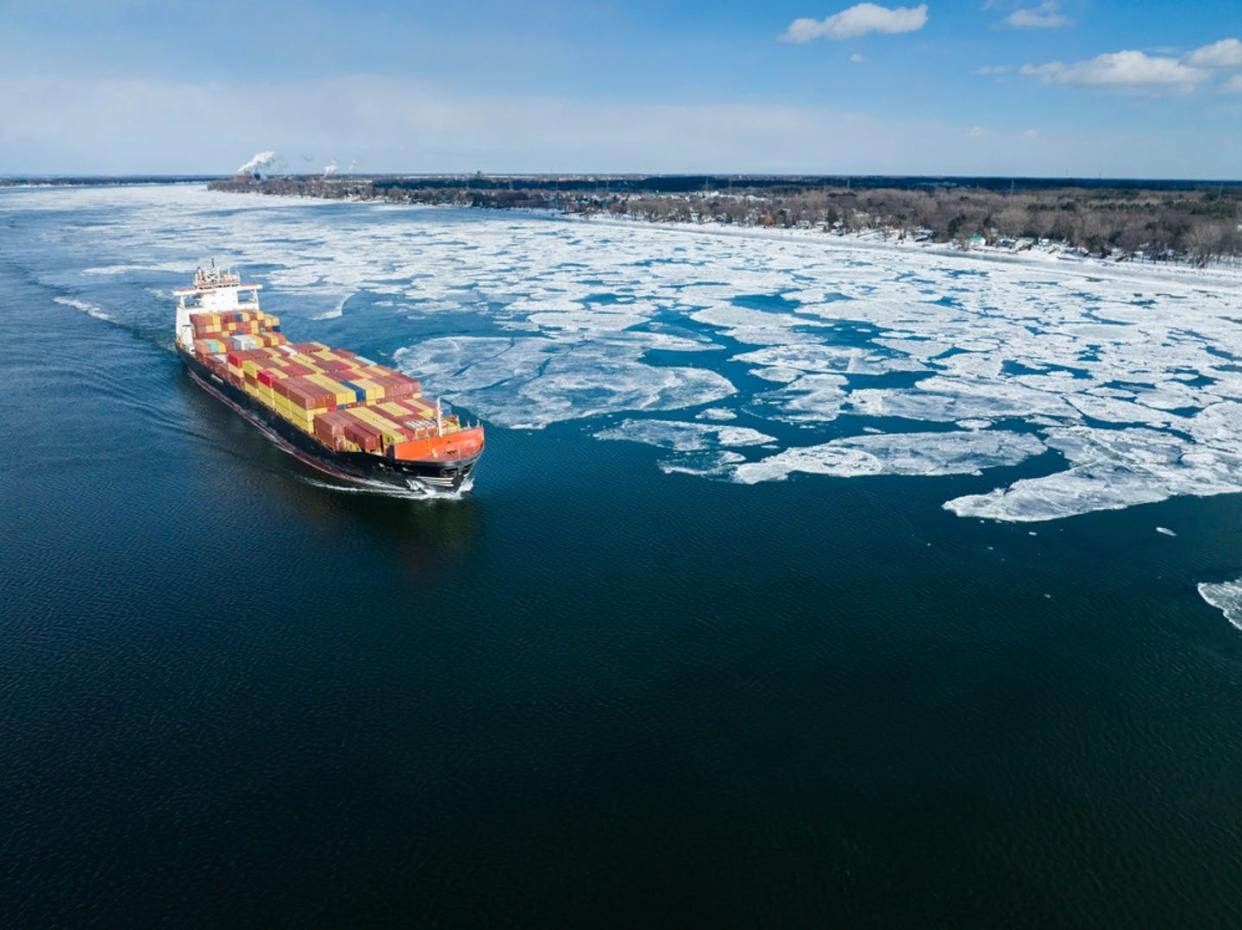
(588, 695)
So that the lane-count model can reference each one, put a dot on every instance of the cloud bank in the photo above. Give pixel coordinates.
(858, 20)
(1140, 72)
(1120, 70)
(1227, 53)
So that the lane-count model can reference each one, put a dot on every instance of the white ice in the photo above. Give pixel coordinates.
(1225, 596)
(1110, 469)
(682, 436)
(1128, 371)
(953, 453)
(532, 382)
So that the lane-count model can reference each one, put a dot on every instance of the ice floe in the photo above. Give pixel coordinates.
(1225, 596)
(809, 397)
(532, 382)
(952, 453)
(947, 400)
(705, 465)
(683, 436)
(1109, 469)
(815, 358)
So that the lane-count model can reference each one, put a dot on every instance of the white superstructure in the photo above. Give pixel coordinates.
(215, 290)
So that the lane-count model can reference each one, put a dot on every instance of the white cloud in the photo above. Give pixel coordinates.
(1227, 53)
(1233, 85)
(857, 58)
(991, 70)
(976, 131)
(1047, 15)
(1120, 70)
(858, 20)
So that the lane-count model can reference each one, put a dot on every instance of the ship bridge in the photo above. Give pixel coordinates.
(215, 290)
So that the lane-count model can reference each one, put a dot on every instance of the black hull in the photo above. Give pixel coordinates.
(360, 468)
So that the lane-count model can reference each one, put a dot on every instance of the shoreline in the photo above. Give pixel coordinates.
(1149, 225)
(1051, 257)
(1227, 273)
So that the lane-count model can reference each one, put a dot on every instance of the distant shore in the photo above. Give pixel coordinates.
(104, 180)
(1179, 222)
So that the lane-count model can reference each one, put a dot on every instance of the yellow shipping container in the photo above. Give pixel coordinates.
(297, 418)
(375, 393)
(389, 431)
(340, 392)
(370, 415)
(303, 413)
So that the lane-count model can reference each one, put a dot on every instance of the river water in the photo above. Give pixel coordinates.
(803, 583)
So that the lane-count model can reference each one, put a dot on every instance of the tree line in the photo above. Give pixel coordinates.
(1198, 225)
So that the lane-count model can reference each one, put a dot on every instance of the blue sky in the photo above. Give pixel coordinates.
(1029, 87)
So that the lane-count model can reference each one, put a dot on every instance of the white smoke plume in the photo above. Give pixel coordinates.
(330, 168)
(257, 161)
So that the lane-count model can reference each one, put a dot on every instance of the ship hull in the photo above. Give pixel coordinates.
(356, 468)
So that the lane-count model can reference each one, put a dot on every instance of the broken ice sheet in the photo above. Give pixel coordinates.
(1141, 348)
(1225, 596)
(1110, 469)
(533, 382)
(951, 453)
(682, 436)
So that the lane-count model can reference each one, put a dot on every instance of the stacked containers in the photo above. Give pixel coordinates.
(305, 399)
(348, 402)
(209, 346)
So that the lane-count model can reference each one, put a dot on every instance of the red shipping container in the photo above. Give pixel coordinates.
(330, 427)
(307, 395)
(362, 433)
(237, 356)
(270, 376)
(395, 388)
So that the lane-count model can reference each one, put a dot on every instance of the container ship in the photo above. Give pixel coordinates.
(338, 412)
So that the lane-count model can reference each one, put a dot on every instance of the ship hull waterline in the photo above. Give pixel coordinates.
(356, 468)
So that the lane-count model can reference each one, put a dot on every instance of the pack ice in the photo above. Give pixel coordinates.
(1130, 375)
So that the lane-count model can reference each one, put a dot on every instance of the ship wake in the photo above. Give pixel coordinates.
(388, 490)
